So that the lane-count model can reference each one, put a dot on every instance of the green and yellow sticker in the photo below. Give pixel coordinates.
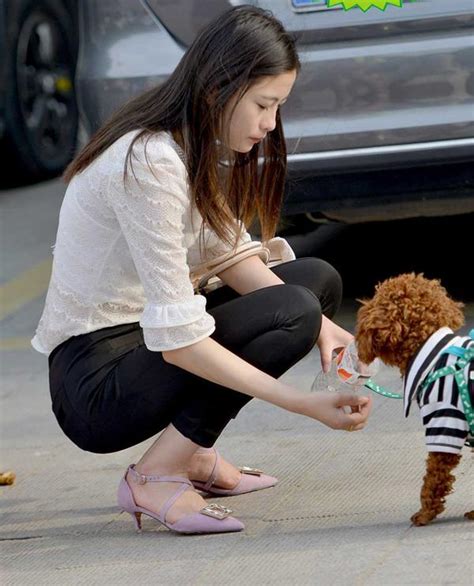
(364, 5)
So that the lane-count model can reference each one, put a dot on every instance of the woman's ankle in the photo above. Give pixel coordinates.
(169, 455)
(202, 450)
(154, 469)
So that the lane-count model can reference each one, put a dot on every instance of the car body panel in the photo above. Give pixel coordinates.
(123, 51)
(380, 89)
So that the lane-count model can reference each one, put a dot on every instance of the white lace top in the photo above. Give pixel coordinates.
(124, 252)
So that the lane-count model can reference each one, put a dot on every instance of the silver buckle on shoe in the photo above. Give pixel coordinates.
(216, 511)
(137, 477)
(253, 471)
(140, 479)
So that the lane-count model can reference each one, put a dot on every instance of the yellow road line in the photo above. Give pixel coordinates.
(22, 289)
(16, 344)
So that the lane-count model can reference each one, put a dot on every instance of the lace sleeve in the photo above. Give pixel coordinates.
(215, 247)
(150, 207)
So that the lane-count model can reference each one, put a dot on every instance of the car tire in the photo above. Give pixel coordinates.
(41, 116)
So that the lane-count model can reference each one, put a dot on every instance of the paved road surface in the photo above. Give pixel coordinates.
(339, 515)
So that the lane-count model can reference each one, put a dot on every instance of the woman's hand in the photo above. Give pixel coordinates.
(211, 361)
(331, 337)
(346, 411)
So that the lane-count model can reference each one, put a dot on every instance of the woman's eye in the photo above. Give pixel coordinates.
(262, 107)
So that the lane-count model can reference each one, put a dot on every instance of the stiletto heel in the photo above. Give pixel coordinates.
(211, 519)
(138, 521)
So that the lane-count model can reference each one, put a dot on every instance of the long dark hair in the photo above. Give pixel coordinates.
(228, 56)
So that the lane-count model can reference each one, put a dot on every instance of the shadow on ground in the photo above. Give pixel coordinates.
(367, 253)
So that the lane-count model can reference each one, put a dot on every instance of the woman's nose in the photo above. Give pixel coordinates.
(269, 122)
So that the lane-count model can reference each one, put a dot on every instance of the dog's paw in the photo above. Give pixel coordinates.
(469, 515)
(422, 518)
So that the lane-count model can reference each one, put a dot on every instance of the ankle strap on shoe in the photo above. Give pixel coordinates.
(215, 470)
(144, 478)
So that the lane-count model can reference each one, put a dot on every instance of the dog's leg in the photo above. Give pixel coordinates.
(469, 515)
(437, 484)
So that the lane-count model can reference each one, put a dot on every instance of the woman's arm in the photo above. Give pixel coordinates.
(210, 360)
(251, 274)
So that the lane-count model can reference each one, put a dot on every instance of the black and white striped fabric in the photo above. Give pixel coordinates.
(441, 407)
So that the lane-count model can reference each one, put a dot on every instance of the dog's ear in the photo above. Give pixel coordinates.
(365, 348)
(364, 335)
(376, 336)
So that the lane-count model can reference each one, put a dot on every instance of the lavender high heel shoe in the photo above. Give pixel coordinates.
(251, 479)
(211, 519)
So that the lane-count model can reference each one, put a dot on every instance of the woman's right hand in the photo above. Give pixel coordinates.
(346, 411)
(211, 361)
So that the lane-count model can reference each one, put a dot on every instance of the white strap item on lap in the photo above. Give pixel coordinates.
(274, 253)
(208, 280)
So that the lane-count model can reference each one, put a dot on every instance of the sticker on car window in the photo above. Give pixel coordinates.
(364, 5)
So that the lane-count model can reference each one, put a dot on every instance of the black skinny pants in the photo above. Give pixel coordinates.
(109, 392)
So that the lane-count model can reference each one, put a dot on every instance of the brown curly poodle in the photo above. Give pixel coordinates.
(405, 315)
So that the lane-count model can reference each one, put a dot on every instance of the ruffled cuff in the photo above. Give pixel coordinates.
(179, 314)
(172, 338)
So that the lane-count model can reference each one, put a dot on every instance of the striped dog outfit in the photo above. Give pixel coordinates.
(441, 406)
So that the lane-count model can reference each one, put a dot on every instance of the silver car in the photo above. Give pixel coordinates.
(380, 123)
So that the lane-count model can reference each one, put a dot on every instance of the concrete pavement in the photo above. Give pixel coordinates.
(339, 515)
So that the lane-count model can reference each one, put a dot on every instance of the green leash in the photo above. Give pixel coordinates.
(464, 355)
(381, 391)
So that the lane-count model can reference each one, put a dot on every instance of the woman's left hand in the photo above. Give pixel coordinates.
(331, 337)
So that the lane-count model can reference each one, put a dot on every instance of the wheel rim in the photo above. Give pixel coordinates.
(45, 88)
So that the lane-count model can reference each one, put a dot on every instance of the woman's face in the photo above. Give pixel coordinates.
(255, 113)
